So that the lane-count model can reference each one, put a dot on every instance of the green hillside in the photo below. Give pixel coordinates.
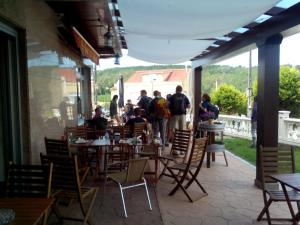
(237, 76)
(107, 78)
(214, 76)
(212, 73)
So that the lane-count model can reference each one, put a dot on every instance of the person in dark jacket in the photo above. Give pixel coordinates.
(179, 103)
(113, 108)
(144, 104)
(98, 121)
(136, 119)
(204, 107)
(254, 122)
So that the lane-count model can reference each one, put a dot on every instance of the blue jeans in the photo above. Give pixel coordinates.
(159, 126)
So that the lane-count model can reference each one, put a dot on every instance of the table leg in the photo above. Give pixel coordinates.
(213, 156)
(97, 162)
(208, 159)
(294, 219)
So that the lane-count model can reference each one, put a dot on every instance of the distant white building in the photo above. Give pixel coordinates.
(164, 80)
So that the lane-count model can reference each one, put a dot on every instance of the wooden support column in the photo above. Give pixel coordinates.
(86, 91)
(197, 94)
(268, 96)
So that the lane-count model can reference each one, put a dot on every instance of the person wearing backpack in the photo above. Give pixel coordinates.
(144, 103)
(207, 110)
(159, 114)
(204, 108)
(178, 105)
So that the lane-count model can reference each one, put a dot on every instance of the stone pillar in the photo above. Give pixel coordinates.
(197, 94)
(268, 96)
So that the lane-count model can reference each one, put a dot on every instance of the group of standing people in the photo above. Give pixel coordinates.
(167, 114)
(164, 114)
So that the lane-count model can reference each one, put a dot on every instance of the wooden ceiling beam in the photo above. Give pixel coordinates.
(275, 25)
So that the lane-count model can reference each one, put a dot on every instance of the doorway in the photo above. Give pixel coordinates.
(10, 115)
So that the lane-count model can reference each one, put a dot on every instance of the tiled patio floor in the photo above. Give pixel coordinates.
(232, 200)
(108, 209)
(232, 197)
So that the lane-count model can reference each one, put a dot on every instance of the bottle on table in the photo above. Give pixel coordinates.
(144, 137)
(106, 135)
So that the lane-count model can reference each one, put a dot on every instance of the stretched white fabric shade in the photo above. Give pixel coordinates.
(164, 51)
(183, 20)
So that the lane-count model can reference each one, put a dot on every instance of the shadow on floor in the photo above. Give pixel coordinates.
(108, 208)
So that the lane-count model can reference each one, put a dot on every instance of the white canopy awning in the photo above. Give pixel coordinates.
(166, 31)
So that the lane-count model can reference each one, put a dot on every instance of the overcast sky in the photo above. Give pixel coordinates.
(289, 54)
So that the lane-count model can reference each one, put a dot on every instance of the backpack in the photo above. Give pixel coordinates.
(144, 103)
(161, 110)
(178, 104)
(215, 110)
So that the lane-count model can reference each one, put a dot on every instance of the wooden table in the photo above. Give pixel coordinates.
(211, 130)
(102, 145)
(29, 211)
(292, 181)
(98, 145)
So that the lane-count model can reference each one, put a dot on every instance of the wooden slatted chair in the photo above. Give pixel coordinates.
(190, 168)
(138, 128)
(61, 148)
(133, 177)
(29, 181)
(117, 156)
(91, 133)
(125, 132)
(76, 132)
(66, 185)
(84, 154)
(57, 147)
(151, 151)
(89, 155)
(273, 161)
(181, 142)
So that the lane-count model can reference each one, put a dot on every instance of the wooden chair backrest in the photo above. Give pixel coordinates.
(91, 133)
(198, 151)
(29, 180)
(56, 147)
(181, 140)
(286, 159)
(126, 130)
(138, 128)
(117, 129)
(135, 170)
(275, 160)
(76, 132)
(65, 172)
(120, 153)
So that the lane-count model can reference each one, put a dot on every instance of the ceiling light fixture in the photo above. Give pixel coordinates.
(108, 38)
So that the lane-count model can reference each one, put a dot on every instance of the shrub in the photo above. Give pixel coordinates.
(230, 100)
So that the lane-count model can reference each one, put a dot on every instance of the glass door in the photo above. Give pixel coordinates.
(4, 153)
(10, 122)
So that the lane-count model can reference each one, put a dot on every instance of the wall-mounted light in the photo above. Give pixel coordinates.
(117, 59)
(108, 38)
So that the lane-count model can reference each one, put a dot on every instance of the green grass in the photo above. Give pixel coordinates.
(297, 159)
(241, 148)
(104, 98)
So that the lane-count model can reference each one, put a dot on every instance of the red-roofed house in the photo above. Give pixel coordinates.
(164, 80)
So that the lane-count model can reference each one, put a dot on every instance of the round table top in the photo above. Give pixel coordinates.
(214, 127)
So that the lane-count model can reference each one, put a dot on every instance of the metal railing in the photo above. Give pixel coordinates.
(240, 126)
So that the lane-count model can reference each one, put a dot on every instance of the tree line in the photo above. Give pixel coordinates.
(231, 100)
(227, 85)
